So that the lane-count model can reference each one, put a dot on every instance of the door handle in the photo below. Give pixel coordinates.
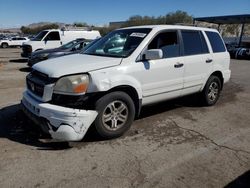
(209, 61)
(178, 65)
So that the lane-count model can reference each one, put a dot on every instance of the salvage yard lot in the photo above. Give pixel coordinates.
(173, 144)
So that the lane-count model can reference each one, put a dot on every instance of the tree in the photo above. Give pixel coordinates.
(28, 30)
(178, 17)
(80, 24)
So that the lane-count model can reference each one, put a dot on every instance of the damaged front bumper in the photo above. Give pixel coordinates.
(63, 124)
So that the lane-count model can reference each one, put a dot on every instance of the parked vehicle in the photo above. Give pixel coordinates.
(71, 47)
(54, 38)
(242, 53)
(13, 42)
(108, 83)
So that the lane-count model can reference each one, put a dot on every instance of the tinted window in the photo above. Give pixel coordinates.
(216, 42)
(54, 35)
(194, 43)
(168, 42)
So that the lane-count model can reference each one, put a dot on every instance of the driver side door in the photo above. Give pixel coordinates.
(52, 40)
(162, 79)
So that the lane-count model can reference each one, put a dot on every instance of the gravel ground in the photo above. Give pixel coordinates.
(173, 144)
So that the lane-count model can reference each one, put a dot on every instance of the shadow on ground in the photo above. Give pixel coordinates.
(15, 126)
(25, 69)
(19, 60)
(242, 181)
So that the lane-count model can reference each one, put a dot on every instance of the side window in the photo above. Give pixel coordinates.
(193, 42)
(54, 35)
(13, 39)
(79, 46)
(168, 42)
(215, 41)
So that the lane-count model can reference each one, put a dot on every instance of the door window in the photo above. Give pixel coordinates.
(193, 42)
(54, 35)
(168, 42)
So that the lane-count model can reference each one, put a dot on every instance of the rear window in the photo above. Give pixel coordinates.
(216, 42)
(194, 42)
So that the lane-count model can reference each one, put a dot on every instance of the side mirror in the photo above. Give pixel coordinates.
(153, 54)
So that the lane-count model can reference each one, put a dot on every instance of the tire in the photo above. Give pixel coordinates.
(116, 113)
(5, 45)
(211, 91)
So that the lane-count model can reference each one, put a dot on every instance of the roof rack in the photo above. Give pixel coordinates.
(186, 24)
(70, 28)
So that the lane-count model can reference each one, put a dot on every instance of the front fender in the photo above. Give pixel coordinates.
(103, 82)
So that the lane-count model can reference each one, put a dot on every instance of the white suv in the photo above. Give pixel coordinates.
(107, 85)
(14, 41)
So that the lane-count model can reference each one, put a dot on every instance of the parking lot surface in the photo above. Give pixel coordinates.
(173, 144)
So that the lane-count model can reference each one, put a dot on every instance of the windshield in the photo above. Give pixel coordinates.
(119, 43)
(40, 36)
(69, 44)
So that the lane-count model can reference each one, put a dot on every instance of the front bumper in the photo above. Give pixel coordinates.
(63, 124)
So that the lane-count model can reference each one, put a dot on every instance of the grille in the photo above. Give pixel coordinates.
(35, 88)
(36, 82)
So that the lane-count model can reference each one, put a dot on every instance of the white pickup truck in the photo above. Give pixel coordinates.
(13, 42)
(107, 85)
(54, 38)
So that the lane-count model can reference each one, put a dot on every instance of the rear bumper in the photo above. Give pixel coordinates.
(226, 75)
(63, 124)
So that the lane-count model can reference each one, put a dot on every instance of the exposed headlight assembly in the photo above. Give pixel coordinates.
(72, 85)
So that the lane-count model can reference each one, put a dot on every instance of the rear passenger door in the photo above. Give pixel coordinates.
(52, 40)
(198, 62)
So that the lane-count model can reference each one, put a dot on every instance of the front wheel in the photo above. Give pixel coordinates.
(211, 91)
(116, 112)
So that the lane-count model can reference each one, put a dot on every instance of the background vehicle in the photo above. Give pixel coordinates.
(108, 83)
(54, 38)
(71, 47)
(12, 42)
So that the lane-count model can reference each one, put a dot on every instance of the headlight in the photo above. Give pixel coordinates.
(43, 56)
(72, 85)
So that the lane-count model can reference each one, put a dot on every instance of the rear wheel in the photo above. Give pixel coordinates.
(211, 91)
(5, 45)
(116, 112)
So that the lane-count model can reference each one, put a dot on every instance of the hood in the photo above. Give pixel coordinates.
(48, 51)
(73, 64)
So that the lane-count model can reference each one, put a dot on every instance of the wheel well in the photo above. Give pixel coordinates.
(132, 93)
(5, 43)
(220, 76)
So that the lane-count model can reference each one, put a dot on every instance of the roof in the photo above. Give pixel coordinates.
(162, 27)
(230, 19)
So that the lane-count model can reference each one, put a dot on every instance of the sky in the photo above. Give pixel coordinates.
(16, 13)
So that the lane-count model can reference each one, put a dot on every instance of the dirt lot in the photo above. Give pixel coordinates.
(173, 144)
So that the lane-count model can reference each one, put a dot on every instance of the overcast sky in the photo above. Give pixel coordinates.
(15, 13)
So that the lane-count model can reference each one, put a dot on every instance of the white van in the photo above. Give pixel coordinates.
(106, 85)
(54, 38)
